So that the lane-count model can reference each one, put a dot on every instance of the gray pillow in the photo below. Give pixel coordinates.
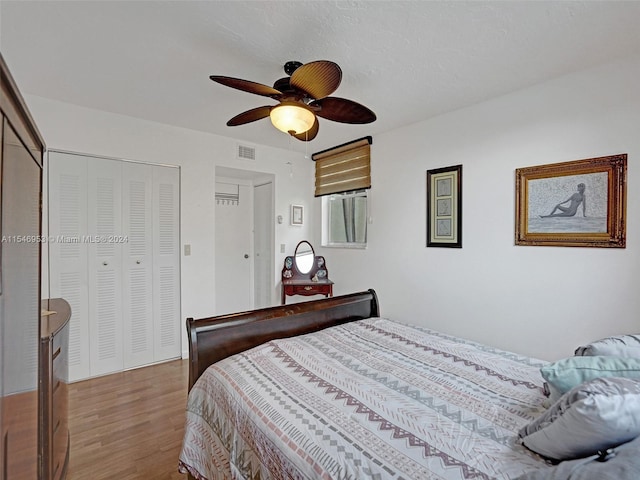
(618, 346)
(623, 463)
(594, 416)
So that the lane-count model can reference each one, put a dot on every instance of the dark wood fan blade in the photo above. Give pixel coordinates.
(343, 110)
(318, 79)
(249, 116)
(309, 134)
(247, 86)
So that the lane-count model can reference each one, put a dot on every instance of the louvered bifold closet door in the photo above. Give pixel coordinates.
(105, 265)
(115, 256)
(68, 274)
(137, 197)
(166, 265)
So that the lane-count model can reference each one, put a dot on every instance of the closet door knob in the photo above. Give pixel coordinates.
(138, 262)
(105, 263)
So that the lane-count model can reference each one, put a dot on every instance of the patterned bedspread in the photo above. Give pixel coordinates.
(372, 399)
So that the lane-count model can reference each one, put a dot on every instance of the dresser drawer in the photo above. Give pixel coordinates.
(59, 366)
(60, 453)
(60, 429)
(57, 343)
(321, 289)
(59, 403)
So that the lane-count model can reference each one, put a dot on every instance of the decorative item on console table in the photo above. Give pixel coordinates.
(305, 273)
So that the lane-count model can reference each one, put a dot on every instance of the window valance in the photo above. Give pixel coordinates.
(343, 168)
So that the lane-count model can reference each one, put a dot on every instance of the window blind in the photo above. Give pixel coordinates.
(343, 168)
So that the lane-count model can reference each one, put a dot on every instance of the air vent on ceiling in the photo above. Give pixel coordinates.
(246, 153)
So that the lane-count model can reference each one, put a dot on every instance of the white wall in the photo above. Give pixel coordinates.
(541, 301)
(71, 128)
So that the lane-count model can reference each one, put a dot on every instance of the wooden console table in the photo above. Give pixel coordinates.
(306, 287)
(315, 281)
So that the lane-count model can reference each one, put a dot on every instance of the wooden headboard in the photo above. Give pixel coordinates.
(214, 338)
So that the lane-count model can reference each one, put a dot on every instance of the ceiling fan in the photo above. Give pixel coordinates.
(303, 96)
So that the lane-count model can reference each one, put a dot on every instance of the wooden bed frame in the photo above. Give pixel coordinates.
(214, 338)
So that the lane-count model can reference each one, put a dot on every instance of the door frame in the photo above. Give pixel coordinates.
(252, 179)
(269, 240)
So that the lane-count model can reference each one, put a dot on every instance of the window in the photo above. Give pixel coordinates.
(345, 219)
(343, 175)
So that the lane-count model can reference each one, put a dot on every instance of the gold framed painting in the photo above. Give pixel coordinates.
(444, 207)
(580, 203)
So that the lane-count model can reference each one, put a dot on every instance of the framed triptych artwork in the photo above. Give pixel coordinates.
(444, 207)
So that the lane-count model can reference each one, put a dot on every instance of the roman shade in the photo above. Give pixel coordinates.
(344, 168)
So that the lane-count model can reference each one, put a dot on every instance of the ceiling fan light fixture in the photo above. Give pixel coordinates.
(304, 96)
(292, 118)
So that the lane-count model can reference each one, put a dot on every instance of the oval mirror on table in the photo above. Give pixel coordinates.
(304, 257)
(305, 274)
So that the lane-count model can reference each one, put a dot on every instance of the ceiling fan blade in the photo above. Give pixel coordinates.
(249, 116)
(247, 86)
(309, 134)
(343, 110)
(318, 79)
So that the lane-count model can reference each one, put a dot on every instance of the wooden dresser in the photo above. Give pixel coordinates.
(54, 402)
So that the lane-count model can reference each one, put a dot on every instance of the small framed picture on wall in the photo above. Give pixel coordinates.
(297, 215)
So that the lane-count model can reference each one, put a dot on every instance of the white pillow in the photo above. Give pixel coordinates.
(594, 416)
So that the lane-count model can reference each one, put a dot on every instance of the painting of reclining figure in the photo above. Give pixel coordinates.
(577, 203)
(574, 203)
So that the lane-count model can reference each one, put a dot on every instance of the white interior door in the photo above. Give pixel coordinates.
(233, 249)
(263, 244)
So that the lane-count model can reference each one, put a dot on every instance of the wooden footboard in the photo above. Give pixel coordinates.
(214, 338)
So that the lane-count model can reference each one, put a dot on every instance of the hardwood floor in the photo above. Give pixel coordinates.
(129, 425)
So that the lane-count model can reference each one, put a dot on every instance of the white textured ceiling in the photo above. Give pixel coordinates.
(407, 61)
